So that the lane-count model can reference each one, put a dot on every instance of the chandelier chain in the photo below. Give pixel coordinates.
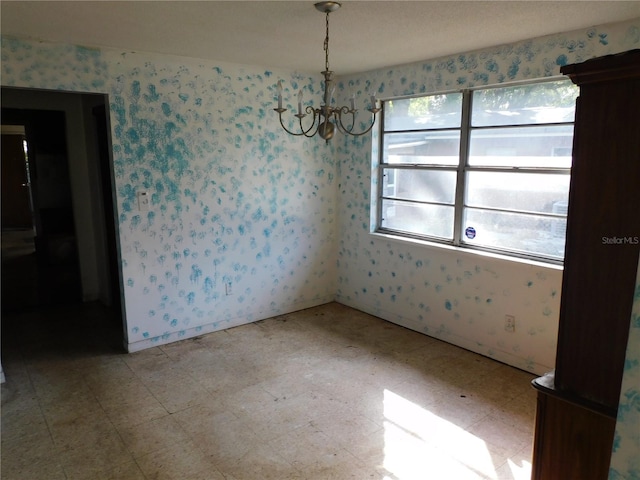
(326, 45)
(326, 120)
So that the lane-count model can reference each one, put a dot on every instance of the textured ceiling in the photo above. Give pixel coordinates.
(290, 34)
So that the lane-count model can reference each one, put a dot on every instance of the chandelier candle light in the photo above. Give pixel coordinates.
(326, 118)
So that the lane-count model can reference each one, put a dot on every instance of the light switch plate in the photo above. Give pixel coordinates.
(143, 201)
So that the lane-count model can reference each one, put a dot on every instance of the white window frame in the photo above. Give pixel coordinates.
(461, 170)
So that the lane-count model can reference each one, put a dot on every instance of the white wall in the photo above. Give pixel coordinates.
(451, 294)
(233, 198)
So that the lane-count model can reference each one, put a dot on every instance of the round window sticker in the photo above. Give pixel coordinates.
(470, 233)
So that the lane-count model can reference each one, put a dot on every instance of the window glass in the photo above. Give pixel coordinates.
(435, 186)
(525, 192)
(537, 103)
(422, 148)
(528, 234)
(418, 218)
(433, 111)
(546, 146)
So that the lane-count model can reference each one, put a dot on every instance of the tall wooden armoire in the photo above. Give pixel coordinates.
(577, 405)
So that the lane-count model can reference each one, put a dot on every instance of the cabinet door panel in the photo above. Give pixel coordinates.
(603, 233)
(571, 443)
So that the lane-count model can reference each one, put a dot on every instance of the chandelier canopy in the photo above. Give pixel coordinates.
(326, 118)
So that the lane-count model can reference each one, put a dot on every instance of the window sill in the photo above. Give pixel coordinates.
(466, 251)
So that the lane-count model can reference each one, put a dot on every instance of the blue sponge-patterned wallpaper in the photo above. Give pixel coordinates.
(625, 460)
(241, 218)
(245, 222)
(240, 224)
(454, 295)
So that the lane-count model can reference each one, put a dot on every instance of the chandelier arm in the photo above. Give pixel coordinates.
(306, 134)
(310, 110)
(342, 111)
(302, 132)
(286, 129)
(316, 114)
(349, 131)
(328, 118)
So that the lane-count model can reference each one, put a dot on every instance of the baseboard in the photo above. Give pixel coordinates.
(170, 337)
(468, 344)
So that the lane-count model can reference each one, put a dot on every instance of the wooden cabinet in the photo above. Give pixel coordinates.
(601, 259)
(573, 441)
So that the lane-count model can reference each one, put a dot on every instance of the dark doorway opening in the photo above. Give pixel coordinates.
(40, 265)
(59, 242)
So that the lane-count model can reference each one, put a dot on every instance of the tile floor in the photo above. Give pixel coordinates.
(325, 393)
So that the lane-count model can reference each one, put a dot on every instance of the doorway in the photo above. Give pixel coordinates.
(59, 246)
(40, 265)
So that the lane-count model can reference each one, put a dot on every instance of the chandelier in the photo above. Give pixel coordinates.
(326, 118)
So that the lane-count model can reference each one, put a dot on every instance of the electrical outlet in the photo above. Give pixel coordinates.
(227, 288)
(510, 323)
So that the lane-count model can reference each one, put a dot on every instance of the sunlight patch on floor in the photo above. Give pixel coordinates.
(419, 445)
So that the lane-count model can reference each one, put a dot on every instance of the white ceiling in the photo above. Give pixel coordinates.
(290, 34)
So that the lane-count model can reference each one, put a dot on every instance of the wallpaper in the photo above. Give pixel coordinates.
(239, 222)
(453, 295)
(625, 461)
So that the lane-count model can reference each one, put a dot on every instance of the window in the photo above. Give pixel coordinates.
(486, 168)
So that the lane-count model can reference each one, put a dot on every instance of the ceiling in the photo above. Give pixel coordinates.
(290, 34)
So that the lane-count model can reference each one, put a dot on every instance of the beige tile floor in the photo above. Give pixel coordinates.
(325, 393)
